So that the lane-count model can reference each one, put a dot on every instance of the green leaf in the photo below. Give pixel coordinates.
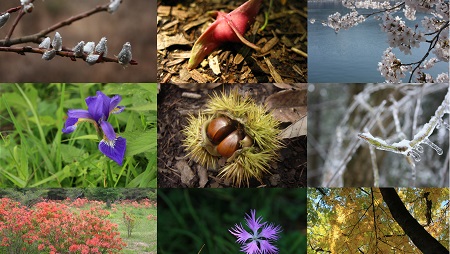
(144, 107)
(139, 142)
(70, 153)
(60, 175)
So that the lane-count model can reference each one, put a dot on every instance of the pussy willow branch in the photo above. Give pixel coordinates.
(16, 21)
(35, 37)
(65, 53)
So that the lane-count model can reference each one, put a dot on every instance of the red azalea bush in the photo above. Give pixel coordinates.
(143, 203)
(52, 227)
(152, 217)
(130, 222)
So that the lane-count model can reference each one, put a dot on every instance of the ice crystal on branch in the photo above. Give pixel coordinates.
(413, 147)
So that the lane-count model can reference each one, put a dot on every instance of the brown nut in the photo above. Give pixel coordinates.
(230, 144)
(247, 141)
(219, 128)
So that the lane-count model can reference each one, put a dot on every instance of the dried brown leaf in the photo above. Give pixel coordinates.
(288, 105)
(299, 128)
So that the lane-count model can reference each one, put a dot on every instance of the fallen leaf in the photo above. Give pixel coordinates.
(296, 129)
(288, 105)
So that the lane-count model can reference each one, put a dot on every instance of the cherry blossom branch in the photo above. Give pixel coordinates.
(430, 47)
(385, 10)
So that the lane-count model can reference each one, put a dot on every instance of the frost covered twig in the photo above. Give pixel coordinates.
(390, 111)
(413, 147)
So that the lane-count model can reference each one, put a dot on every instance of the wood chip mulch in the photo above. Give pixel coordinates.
(284, 43)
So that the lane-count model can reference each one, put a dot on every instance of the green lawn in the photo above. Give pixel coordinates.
(143, 236)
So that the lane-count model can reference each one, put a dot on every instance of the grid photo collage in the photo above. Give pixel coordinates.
(163, 126)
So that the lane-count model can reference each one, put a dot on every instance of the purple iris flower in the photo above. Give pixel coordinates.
(99, 108)
(260, 239)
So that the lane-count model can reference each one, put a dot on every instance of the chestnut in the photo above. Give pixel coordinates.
(219, 128)
(247, 141)
(234, 128)
(230, 144)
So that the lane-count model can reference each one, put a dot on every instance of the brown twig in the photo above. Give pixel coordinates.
(35, 37)
(70, 54)
(14, 9)
(16, 21)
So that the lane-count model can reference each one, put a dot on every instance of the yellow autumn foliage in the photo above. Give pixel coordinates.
(357, 220)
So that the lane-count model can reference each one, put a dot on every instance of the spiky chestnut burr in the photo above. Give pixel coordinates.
(257, 134)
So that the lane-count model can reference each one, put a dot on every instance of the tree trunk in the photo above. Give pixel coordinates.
(420, 237)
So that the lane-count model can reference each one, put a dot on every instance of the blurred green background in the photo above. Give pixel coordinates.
(191, 218)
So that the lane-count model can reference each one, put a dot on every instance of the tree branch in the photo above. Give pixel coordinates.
(35, 37)
(70, 54)
(418, 235)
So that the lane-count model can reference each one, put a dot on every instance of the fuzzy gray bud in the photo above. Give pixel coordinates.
(114, 5)
(28, 8)
(45, 44)
(125, 55)
(89, 47)
(49, 54)
(92, 59)
(57, 42)
(3, 19)
(101, 47)
(78, 49)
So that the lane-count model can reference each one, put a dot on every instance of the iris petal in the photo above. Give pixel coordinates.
(114, 149)
(70, 125)
(108, 130)
(98, 106)
(115, 100)
(79, 113)
(117, 110)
